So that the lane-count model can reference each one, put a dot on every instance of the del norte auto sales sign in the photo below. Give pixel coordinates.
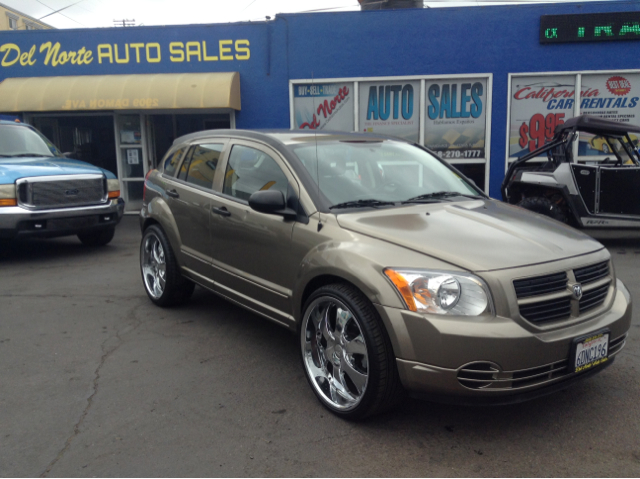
(539, 104)
(322, 106)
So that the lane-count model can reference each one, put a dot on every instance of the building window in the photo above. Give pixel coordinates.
(13, 22)
(31, 26)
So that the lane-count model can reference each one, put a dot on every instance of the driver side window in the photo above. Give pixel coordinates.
(250, 170)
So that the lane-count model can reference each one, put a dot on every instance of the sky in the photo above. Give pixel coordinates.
(102, 13)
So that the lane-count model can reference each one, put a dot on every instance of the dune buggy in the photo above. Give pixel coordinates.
(602, 197)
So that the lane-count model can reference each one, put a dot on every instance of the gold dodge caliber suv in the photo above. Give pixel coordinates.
(396, 272)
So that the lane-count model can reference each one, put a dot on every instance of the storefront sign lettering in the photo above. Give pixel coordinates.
(55, 54)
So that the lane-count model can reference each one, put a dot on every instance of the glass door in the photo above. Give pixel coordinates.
(132, 158)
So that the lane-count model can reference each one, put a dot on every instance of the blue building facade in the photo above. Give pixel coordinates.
(479, 85)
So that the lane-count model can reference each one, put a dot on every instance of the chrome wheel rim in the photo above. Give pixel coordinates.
(335, 353)
(154, 266)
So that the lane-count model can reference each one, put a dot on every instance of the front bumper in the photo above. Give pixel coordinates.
(432, 353)
(18, 222)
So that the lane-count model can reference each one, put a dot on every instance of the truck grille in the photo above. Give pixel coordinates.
(548, 298)
(62, 191)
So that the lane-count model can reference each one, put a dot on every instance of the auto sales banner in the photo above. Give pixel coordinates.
(612, 97)
(390, 107)
(455, 119)
(324, 106)
(538, 105)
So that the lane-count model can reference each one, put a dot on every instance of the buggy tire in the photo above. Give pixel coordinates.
(346, 353)
(99, 237)
(544, 206)
(161, 274)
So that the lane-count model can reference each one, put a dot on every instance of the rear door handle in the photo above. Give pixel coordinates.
(173, 194)
(222, 211)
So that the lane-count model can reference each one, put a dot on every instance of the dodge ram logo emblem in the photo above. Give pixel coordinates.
(73, 192)
(577, 291)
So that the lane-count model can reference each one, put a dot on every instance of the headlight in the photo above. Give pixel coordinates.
(113, 186)
(8, 195)
(441, 292)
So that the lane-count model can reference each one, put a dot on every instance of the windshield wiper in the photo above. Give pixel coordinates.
(440, 195)
(362, 204)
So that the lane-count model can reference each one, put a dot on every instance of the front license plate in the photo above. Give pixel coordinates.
(590, 351)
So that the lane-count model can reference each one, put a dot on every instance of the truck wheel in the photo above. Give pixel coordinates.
(544, 206)
(161, 275)
(97, 238)
(346, 353)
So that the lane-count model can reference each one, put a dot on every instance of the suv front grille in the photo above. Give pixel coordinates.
(540, 285)
(62, 192)
(549, 298)
(592, 273)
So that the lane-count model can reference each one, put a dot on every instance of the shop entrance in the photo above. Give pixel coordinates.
(127, 144)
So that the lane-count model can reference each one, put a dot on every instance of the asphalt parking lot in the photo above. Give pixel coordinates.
(96, 381)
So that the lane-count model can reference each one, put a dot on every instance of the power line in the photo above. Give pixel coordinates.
(58, 12)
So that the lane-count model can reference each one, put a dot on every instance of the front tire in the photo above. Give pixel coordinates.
(161, 275)
(346, 353)
(544, 206)
(99, 237)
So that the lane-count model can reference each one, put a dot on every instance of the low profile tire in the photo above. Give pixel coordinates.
(99, 237)
(161, 276)
(346, 353)
(544, 206)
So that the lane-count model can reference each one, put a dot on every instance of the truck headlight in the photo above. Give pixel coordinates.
(8, 195)
(113, 187)
(441, 292)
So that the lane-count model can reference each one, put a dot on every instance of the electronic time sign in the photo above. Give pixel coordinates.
(590, 27)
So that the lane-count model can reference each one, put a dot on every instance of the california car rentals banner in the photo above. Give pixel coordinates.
(613, 97)
(455, 119)
(390, 107)
(323, 106)
(538, 105)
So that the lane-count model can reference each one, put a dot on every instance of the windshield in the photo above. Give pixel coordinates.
(23, 141)
(348, 171)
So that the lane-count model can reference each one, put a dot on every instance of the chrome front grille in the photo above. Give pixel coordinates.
(62, 191)
(551, 298)
(488, 375)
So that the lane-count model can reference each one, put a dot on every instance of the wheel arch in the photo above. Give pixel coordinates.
(157, 212)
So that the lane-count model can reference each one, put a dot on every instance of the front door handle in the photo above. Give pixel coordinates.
(222, 211)
(173, 194)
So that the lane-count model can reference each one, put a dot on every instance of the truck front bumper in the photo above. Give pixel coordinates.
(18, 222)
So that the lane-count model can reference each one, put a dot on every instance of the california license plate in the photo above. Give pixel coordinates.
(590, 351)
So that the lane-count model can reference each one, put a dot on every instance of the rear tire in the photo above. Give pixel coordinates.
(544, 206)
(161, 275)
(99, 237)
(346, 353)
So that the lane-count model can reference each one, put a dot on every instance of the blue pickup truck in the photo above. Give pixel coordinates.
(45, 194)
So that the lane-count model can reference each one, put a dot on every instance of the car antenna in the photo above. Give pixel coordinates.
(315, 136)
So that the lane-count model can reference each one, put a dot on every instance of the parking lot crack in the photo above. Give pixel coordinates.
(108, 346)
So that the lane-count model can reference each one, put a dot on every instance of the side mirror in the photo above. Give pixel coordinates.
(271, 202)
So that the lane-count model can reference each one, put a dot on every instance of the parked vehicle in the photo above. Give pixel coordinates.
(43, 193)
(395, 271)
(602, 196)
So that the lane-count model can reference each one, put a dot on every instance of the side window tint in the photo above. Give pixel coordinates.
(203, 164)
(171, 163)
(250, 170)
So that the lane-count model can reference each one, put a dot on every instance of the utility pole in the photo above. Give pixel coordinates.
(124, 23)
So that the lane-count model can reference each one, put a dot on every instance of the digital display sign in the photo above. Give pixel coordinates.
(590, 27)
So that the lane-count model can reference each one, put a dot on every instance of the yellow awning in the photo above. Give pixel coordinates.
(165, 91)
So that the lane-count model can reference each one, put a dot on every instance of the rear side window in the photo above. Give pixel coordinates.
(200, 165)
(171, 162)
(250, 170)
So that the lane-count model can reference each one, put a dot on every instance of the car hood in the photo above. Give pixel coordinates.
(476, 235)
(12, 169)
